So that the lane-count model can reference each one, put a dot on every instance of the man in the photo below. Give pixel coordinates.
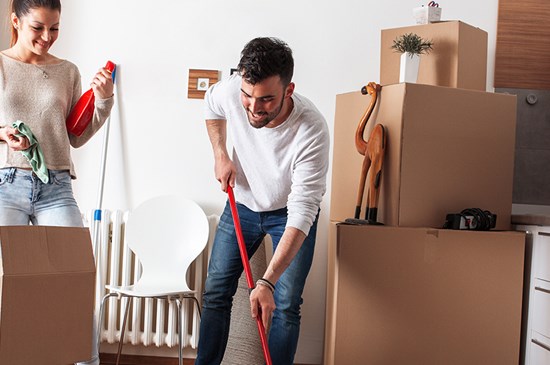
(278, 171)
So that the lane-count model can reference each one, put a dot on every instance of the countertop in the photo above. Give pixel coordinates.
(531, 219)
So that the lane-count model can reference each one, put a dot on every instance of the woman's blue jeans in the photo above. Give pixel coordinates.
(25, 199)
(224, 271)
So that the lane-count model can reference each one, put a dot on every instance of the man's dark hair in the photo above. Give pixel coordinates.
(265, 57)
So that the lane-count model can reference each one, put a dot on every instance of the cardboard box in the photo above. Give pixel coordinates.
(332, 296)
(422, 296)
(458, 58)
(47, 277)
(447, 150)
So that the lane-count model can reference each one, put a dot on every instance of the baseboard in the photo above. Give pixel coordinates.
(110, 359)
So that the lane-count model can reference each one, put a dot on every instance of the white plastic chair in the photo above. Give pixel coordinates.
(167, 234)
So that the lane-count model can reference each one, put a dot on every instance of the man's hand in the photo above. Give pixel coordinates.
(8, 134)
(225, 171)
(261, 299)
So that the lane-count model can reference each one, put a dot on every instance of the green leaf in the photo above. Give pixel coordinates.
(412, 43)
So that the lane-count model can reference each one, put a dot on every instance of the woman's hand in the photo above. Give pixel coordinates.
(8, 134)
(102, 84)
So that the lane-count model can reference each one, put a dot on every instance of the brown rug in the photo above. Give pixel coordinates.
(244, 346)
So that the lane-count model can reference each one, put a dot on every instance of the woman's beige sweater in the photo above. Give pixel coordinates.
(41, 96)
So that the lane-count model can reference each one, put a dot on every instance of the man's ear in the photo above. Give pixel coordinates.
(289, 90)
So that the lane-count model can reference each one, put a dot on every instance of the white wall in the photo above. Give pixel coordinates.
(4, 24)
(158, 139)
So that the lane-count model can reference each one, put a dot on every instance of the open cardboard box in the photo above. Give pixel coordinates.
(448, 149)
(47, 277)
(458, 58)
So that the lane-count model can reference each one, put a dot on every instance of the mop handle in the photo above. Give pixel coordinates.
(106, 128)
(248, 272)
(96, 231)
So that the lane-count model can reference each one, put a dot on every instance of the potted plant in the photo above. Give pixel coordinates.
(411, 46)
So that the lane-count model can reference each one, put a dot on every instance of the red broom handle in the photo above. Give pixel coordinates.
(248, 272)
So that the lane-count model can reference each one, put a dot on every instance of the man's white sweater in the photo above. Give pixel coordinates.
(279, 167)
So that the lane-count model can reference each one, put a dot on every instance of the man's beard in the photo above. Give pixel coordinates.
(268, 117)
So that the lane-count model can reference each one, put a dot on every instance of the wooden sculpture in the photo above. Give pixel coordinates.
(373, 150)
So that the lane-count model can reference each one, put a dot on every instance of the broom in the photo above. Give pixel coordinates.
(248, 272)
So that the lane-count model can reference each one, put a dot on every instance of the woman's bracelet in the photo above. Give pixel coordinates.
(266, 283)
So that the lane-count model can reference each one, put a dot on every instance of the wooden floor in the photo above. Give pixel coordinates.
(110, 359)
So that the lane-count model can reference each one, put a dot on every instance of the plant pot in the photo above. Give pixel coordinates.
(408, 71)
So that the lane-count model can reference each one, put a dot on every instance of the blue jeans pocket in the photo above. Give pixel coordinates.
(4, 176)
(61, 177)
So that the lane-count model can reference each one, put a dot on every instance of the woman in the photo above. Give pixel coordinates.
(39, 90)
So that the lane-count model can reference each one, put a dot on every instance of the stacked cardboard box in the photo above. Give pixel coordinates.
(458, 58)
(447, 149)
(424, 295)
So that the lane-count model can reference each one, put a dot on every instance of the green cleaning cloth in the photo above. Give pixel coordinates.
(34, 153)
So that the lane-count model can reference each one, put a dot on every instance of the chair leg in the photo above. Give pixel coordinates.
(198, 305)
(101, 314)
(122, 330)
(180, 331)
(179, 321)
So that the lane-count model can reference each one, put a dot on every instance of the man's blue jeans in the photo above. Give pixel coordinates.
(224, 271)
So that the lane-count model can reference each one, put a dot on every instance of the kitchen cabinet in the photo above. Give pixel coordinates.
(522, 42)
(536, 339)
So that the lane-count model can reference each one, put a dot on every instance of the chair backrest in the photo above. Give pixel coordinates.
(166, 233)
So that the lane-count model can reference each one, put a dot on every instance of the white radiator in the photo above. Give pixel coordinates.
(149, 321)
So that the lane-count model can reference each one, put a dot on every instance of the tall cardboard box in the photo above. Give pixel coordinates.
(447, 150)
(458, 58)
(423, 296)
(47, 277)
